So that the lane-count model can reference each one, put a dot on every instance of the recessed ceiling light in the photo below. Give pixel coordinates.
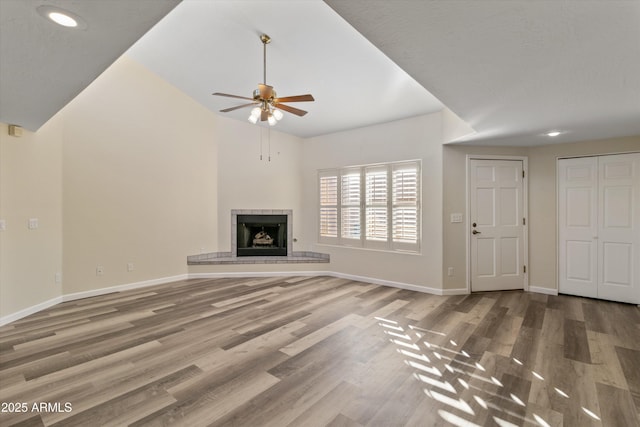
(61, 17)
(553, 133)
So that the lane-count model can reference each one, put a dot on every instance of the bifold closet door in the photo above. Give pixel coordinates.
(599, 227)
(619, 227)
(578, 226)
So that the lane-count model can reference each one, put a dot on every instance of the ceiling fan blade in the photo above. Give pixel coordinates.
(297, 98)
(232, 96)
(264, 115)
(226, 110)
(292, 110)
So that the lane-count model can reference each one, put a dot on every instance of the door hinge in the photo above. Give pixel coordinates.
(524, 222)
(524, 267)
(523, 174)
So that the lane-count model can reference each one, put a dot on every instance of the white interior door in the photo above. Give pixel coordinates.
(578, 226)
(599, 227)
(496, 216)
(619, 227)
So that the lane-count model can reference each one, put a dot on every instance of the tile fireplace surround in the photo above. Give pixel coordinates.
(232, 258)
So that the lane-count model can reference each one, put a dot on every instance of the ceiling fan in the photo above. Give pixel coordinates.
(266, 102)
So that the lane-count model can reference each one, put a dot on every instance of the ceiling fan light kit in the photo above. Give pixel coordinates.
(267, 106)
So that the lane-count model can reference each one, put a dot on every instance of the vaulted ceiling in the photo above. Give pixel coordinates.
(512, 70)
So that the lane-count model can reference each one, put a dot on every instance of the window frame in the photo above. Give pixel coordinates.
(364, 241)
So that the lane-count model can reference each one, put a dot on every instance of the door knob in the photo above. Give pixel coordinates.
(476, 232)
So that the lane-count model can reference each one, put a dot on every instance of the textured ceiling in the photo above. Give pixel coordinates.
(516, 69)
(43, 66)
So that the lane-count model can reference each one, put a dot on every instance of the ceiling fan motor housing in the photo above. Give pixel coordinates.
(264, 93)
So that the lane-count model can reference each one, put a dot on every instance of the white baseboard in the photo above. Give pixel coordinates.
(29, 310)
(455, 291)
(258, 274)
(375, 281)
(401, 285)
(540, 290)
(125, 287)
(103, 291)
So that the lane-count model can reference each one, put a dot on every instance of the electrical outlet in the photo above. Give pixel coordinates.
(450, 271)
(3, 225)
(129, 266)
(99, 270)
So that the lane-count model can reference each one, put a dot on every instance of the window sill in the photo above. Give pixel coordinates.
(360, 248)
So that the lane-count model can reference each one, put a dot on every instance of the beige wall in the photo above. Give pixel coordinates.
(247, 182)
(415, 138)
(454, 201)
(541, 198)
(139, 180)
(133, 170)
(30, 187)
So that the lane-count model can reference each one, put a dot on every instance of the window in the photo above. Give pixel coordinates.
(373, 206)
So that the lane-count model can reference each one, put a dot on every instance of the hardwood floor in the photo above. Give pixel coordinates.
(321, 352)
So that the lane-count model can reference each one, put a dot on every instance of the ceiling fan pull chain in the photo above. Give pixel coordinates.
(269, 141)
(260, 128)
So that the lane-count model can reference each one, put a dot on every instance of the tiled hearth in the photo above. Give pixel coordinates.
(297, 257)
(232, 258)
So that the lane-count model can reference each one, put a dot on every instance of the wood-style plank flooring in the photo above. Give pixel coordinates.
(321, 351)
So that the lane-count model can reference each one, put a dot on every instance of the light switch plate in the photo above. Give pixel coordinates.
(33, 223)
(456, 217)
(3, 224)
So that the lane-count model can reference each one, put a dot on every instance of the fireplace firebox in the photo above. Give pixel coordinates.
(261, 235)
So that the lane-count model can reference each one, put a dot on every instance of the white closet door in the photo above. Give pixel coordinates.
(578, 226)
(619, 227)
(599, 227)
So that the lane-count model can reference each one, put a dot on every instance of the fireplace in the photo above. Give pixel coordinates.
(261, 235)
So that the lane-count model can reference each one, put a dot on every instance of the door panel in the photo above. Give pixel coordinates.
(619, 231)
(617, 263)
(578, 208)
(486, 256)
(497, 250)
(485, 202)
(577, 226)
(509, 209)
(510, 255)
(579, 256)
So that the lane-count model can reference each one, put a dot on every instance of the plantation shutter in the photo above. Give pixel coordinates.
(405, 206)
(350, 204)
(371, 206)
(376, 203)
(328, 205)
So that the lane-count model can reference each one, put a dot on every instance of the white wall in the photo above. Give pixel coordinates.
(415, 138)
(30, 187)
(247, 182)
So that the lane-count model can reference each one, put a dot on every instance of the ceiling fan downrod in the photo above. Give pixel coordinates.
(265, 40)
